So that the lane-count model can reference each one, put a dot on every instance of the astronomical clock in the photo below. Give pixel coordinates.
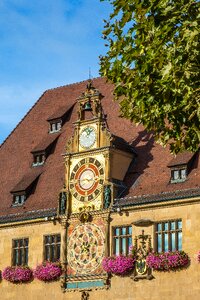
(86, 200)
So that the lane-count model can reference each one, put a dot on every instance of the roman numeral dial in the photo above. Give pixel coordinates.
(86, 179)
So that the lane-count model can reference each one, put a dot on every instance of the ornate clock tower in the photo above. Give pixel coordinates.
(92, 179)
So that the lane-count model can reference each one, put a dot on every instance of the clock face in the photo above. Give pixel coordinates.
(86, 179)
(87, 137)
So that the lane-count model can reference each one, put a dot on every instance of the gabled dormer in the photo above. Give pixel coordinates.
(43, 149)
(25, 187)
(57, 120)
(180, 166)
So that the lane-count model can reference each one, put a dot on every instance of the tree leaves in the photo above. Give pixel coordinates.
(153, 60)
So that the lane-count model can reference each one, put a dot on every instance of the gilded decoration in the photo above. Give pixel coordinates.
(140, 250)
(86, 248)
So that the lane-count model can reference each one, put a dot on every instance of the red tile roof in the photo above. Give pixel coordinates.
(148, 177)
(61, 111)
(27, 180)
(181, 159)
(47, 141)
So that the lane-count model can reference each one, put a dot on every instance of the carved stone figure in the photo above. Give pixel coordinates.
(62, 202)
(107, 196)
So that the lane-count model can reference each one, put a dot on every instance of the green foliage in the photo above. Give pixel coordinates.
(153, 60)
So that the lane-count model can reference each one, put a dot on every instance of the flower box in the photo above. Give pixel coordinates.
(118, 265)
(167, 261)
(48, 271)
(17, 274)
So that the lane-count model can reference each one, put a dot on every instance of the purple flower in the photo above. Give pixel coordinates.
(167, 260)
(119, 265)
(48, 271)
(17, 274)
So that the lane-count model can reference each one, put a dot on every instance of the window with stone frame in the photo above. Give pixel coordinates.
(52, 247)
(122, 240)
(168, 236)
(20, 252)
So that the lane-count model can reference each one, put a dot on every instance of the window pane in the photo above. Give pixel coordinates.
(26, 256)
(172, 225)
(183, 173)
(130, 230)
(159, 242)
(124, 230)
(129, 242)
(176, 174)
(179, 224)
(166, 226)
(159, 227)
(117, 231)
(58, 252)
(117, 246)
(124, 246)
(179, 240)
(20, 257)
(166, 245)
(173, 243)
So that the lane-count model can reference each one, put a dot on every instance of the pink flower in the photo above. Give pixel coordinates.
(119, 265)
(166, 261)
(48, 271)
(17, 274)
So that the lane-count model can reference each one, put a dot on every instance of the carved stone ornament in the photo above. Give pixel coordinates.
(142, 246)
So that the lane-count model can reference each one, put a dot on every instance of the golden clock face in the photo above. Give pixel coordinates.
(86, 179)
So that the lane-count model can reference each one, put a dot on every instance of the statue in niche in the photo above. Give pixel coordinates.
(107, 196)
(63, 201)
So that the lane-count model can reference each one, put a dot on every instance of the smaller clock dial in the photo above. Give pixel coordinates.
(87, 137)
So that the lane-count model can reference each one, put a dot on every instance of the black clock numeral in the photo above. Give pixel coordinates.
(101, 181)
(76, 168)
(82, 161)
(72, 175)
(75, 194)
(91, 160)
(97, 163)
(82, 198)
(90, 197)
(96, 192)
(101, 171)
(71, 186)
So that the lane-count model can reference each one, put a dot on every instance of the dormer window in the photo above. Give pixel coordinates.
(55, 126)
(19, 199)
(25, 187)
(180, 166)
(44, 149)
(59, 117)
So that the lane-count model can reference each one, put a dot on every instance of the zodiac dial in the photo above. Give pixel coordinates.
(86, 179)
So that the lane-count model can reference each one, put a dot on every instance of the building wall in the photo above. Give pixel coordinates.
(179, 285)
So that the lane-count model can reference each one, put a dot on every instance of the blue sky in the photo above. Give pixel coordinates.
(45, 44)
